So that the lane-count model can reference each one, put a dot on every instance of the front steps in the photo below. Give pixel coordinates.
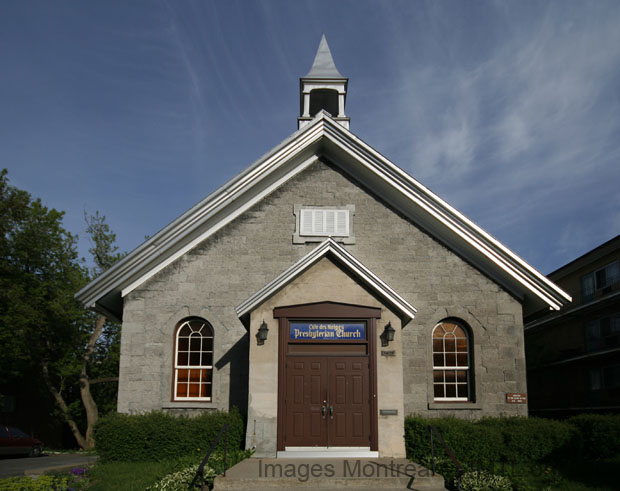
(324, 474)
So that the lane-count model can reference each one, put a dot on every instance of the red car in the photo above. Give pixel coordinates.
(14, 441)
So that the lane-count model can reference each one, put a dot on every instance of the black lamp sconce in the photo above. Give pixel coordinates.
(387, 335)
(261, 335)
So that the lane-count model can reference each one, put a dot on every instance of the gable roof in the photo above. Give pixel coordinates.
(323, 137)
(330, 248)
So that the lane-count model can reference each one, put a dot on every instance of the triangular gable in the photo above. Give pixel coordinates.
(333, 250)
(323, 138)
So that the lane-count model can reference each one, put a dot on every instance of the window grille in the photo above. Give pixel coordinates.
(451, 363)
(193, 367)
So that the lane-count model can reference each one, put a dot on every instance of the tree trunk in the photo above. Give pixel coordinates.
(63, 406)
(92, 412)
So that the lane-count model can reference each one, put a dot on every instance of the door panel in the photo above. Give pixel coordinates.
(306, 389)
(344, 383)
(349, 396)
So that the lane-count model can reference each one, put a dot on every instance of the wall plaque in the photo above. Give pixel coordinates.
(516, 398)
(388, 412)
(328, 331)
(388, 352)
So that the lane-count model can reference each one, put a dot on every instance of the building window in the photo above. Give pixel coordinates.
(193, 361)
(605, 377)
(324, 222)
(603, 333)
(598, 280)
(451, 362)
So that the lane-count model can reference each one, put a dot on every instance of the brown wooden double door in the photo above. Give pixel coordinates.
(327, 402)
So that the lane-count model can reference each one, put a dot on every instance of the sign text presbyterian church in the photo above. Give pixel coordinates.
(328, 331)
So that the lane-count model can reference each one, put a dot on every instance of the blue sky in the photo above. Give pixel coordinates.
(510, 111)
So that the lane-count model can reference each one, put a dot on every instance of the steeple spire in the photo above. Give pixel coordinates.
(323, 89)
(323, 66)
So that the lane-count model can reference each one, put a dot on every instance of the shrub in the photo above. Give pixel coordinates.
(484, 481)
(600, 434)
(534, 439)
(41, 483)
(180, 480)
(159, 436)
(485, 443)
(474, 445)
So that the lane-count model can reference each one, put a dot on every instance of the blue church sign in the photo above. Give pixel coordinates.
(328, 331)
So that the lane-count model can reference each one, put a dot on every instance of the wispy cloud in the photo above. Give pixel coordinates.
(526, 125)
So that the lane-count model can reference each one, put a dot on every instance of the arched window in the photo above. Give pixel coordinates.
(193, 361)
(451, 362)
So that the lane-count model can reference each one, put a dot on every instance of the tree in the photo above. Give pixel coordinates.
(101, 354)
(44, 332)
(39, 271)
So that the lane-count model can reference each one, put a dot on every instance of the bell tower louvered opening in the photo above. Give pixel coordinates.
(326, 99)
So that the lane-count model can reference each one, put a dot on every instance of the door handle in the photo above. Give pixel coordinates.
(323, 411)
(331, 412)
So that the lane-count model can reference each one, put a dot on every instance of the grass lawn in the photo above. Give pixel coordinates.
(130, 476)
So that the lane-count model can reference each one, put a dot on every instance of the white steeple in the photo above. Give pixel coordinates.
(323, 88)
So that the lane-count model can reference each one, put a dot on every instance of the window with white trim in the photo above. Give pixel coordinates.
(451, 362)
(324, 222)
(193, 361)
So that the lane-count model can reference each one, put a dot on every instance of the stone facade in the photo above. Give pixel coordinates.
(228, 267)
(323, 280)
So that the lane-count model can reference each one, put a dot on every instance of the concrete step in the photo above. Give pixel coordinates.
(324, 474)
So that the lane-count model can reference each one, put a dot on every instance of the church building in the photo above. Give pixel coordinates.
(327, 294)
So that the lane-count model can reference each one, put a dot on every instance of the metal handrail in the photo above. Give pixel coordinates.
(200, 472)
(456, 462)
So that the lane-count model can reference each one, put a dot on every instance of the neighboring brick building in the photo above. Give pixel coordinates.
(573, 356)
(329, 250)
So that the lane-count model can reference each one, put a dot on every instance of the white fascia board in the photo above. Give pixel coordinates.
(124, 272)
(449, 217)
(218, 225)
(330, 247)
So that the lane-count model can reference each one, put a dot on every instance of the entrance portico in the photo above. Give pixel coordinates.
(313, 383)
(327, 379)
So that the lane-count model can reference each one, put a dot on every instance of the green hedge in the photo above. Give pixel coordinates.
(534, 439)
(470, 442)
(492, 441)
(159, 436)
(600, 433)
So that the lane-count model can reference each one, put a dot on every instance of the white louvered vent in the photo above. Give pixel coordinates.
(324, 222)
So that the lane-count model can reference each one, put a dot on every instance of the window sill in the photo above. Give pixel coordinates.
(307, 239)
(455, 405)
(188, 405)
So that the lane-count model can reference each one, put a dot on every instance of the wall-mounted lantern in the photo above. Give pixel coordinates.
(387, 335)
(261, 335)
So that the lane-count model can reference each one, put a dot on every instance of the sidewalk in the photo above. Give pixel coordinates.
(34, 466)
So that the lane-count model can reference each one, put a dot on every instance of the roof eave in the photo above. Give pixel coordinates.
(164, 240)
(437, 216)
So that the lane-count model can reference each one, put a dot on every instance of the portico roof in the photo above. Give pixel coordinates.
(330, 248)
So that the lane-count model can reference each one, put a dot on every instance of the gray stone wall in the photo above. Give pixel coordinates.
(231, 265)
